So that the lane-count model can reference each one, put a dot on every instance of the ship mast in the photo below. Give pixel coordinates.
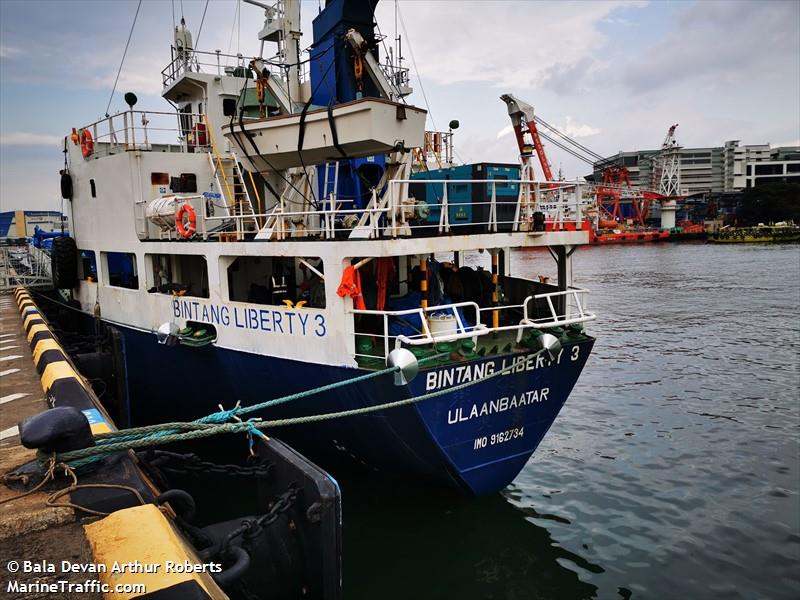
(282, 26)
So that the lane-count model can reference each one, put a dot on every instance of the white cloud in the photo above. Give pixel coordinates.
(505, 131)
(508, 49)
(576, 130)
(8, 51)
(24, 138)
(720, 46)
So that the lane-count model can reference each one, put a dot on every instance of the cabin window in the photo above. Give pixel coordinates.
(122, 270)
(87, 265)
(177, 274)
(185, 184)
(93, 188)
(277, 280)
(184, 115)
(159, 178)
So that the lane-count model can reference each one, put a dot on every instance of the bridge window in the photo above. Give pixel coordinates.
(277, 280)
(122, 271)
(177, 274)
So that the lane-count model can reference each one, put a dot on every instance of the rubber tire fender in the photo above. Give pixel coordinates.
(64, 263)
(66, 186)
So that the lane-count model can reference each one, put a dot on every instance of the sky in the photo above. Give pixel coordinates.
(612, 74)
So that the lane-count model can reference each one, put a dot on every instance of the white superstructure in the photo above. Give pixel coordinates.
(212, 215)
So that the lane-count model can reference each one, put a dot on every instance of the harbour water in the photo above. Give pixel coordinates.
(672, 472)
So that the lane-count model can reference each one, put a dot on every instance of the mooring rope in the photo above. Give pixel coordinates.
(213, 424)
(145, 437)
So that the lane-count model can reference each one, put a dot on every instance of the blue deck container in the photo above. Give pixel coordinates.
(469, 203)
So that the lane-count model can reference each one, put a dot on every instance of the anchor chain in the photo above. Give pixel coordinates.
(191, 464)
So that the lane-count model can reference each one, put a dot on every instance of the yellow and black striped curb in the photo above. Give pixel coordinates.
(149, 538)
(62, 384)
(136, 535)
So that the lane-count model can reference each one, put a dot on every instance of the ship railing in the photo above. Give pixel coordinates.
(198, 61)
(460, 329)
(437, 149)
(561, 308)
(327, 228)
(564, 307)
(219, 63)
(144, 130)
(397, 213)
(561, 202)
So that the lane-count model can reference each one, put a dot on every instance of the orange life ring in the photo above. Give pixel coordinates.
(87, 143)
(186, 230)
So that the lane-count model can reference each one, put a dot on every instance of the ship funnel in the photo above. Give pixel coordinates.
(409, 367)
(549, 345)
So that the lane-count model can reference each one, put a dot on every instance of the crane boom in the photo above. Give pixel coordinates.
(670, 140)
(523, 121)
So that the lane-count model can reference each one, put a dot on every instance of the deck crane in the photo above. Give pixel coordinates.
(524, 121)
(616, 185)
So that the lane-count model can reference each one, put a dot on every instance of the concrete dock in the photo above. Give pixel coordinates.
(73, 531)
(29, 529)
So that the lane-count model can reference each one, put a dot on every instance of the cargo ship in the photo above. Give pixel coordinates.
(779, 233)
(271, 231)
(628, 235)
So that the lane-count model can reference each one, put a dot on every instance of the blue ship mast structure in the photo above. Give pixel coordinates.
(336, 79)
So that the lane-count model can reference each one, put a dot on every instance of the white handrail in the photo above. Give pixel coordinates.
(481, 329)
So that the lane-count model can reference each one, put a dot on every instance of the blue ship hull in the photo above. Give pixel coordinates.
(477, 439)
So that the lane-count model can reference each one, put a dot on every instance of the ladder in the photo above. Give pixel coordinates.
(231, 184)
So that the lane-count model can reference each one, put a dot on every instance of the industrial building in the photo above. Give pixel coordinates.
(727, 168)
(20, 224)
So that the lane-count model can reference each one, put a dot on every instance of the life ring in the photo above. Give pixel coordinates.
(186, 229)
(87, 143)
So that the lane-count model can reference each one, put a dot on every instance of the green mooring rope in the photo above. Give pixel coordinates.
(166, 433)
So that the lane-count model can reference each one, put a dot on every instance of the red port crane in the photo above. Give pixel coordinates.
(523, 121)
(615, 189)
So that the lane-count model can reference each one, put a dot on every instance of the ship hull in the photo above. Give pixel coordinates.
(629, 237)
(757, 235)
(477, 439)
